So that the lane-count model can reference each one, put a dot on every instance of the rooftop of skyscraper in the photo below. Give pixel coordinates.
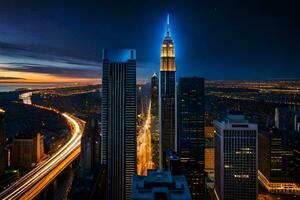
(160, 184)
(233, 116)
(119, 55)
(234, 120)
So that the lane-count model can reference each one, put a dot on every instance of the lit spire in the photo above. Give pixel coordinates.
(168, 25)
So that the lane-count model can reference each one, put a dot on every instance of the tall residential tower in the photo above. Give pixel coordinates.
(119, 121)
(167, 91)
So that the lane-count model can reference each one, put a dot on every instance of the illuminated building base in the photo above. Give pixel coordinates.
(277, 187)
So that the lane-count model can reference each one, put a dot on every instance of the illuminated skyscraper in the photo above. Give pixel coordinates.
(235, 158)
(119, 121)
(2, 142)
(167, 91)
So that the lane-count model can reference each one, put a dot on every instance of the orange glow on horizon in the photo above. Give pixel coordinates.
(29, 77)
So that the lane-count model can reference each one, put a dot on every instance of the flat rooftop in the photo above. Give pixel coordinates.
(119, 55)
(159, 176)
(160, 185)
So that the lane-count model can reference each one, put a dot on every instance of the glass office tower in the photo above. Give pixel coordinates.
(235, 158)
(190, 132)
(119, 121)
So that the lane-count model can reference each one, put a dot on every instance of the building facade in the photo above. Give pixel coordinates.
(32, 145)
(119, 121)
(167, 98)
(90, 144)
(235, 158)
(209, 151)
(279, 161)
(190, 132)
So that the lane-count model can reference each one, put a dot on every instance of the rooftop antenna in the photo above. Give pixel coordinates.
(168, 25)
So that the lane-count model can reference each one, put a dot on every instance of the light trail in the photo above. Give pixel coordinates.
(144, 149)
(33, 179)
(278, 187)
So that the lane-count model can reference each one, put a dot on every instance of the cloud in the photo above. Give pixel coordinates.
(55, 71)
(45, 60)
(11, 78)
(39, 52)
(57, 62)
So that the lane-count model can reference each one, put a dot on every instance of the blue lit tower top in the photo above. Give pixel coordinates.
(167, 57)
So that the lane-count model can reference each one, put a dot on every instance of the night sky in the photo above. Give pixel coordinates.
(54, 41)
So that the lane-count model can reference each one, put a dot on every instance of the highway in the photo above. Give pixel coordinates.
(31, 184)
(144, 147)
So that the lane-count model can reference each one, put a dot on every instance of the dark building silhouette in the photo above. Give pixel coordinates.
(90, 146)
(287, 118)
(279, 161)
(235, 158)
(173, 162)
(33, 145)
(119, 121)
(2, 142)
(155, 120)
(167, 89)
(154, 95)
(90, 187)
(190, 132)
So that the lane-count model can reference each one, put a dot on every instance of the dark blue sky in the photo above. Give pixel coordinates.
(215, 39)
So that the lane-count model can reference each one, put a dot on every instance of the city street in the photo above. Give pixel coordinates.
(144, 148)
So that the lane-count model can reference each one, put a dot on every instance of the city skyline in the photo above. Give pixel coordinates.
(131, 100)
(241, 40)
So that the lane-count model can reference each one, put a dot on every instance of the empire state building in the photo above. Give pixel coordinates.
(167, 104)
